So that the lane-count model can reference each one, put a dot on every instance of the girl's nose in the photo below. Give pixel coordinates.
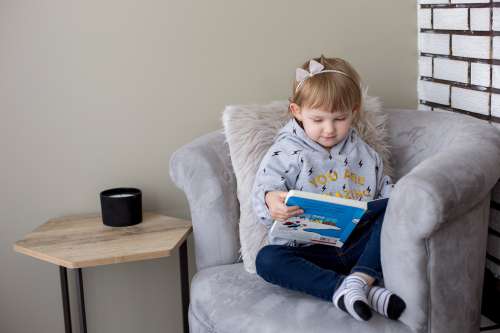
(329, 128)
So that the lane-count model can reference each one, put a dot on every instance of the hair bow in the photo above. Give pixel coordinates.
(314, 68)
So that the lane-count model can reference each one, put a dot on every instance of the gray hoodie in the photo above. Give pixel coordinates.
(351, 169)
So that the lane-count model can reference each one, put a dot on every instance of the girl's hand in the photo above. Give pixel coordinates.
(275, 201)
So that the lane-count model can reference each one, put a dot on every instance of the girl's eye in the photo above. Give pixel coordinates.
(317, 120)
(341, 119)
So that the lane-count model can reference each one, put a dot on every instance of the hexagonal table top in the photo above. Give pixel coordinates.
(84, 241)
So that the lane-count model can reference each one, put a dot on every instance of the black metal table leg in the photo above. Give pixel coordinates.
(63, 274)
(81, 302)
(183, 260)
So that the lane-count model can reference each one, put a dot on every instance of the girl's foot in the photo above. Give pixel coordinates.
(386, 302)
(351, 297)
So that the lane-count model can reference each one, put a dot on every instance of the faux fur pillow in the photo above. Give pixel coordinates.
(250, 130)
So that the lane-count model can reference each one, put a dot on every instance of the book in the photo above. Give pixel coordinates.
(326, 219)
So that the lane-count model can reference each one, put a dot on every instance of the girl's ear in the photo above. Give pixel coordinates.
(295, 110)
(356, 114)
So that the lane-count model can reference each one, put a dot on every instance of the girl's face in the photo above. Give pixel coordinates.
(325, 128)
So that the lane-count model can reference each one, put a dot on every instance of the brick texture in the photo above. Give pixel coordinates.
(459, 63)
(459, 70)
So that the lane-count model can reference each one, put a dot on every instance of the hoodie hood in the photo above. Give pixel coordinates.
(293, 132)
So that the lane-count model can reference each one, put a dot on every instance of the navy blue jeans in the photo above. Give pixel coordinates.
(319, 269)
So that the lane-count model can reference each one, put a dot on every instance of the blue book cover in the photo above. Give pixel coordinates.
(326, 219)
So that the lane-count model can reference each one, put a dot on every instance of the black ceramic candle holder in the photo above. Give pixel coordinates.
(121, 207)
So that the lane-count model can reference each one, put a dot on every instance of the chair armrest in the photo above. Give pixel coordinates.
(202, 169)
(433, 241)
(453, 180)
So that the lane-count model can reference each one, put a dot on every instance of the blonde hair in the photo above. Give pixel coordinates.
(333, 92)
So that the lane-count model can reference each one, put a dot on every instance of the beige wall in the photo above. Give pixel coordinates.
(97, 94)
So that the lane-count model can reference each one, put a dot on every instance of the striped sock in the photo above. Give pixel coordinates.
(386, 303)
(351, 298)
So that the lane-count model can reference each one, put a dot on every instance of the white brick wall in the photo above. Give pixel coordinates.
(496, 19)
(480, 74)
(435, 43)
(496, 77)
(424, 19)
(467, 78)
(451, 19)
(480, 19)
(470, 100)
(471, 46)
(432, 1)
(495, 105)
(459, 44)
(452, 70)
(434, 92)
(425, 66)
(470, 1)
(496, 48)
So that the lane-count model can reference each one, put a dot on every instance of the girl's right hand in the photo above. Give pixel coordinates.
(275, 201)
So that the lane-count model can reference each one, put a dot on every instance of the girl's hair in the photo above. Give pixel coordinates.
(333, 92)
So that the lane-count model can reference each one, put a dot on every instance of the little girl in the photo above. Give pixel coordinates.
(319, 151)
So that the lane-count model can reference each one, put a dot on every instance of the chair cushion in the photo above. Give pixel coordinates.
(227, 299)
(250, 130)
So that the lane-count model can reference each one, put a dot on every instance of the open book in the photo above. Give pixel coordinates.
(326, 220)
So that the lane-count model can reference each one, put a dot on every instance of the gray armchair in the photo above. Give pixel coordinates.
(433, 238)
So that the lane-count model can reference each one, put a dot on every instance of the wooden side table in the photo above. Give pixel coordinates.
(77, 242)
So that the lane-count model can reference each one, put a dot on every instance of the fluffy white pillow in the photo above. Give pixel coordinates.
(250, 130)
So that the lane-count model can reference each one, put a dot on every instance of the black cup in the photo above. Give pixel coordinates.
(121, 207)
